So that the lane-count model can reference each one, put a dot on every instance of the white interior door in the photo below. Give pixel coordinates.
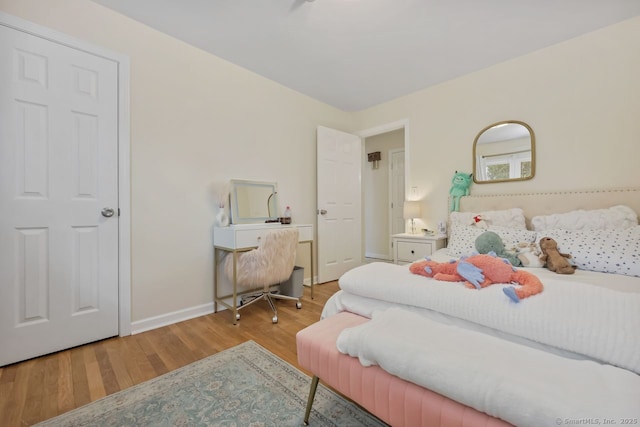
(58, 170)
(396, 188)
(339, 203)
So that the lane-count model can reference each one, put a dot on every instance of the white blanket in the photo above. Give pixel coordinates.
(520, 385)
(594, 321)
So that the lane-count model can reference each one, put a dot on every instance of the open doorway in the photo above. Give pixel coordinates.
(383, 190)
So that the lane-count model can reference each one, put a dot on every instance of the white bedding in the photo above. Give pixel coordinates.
(573, 316)
(506, 380)
(569, 355)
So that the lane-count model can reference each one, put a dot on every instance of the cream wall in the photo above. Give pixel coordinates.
(195, 120)
(581, 97)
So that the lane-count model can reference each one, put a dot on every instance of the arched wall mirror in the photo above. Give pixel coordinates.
(504, 151)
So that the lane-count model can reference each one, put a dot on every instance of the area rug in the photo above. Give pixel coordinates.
(243, 386)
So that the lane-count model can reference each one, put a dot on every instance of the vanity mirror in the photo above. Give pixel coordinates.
(253, 201)
(504, 151)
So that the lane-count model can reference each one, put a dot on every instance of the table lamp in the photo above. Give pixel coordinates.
(412, 211)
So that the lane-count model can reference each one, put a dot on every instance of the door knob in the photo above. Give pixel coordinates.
(108, 212)
(323, 211)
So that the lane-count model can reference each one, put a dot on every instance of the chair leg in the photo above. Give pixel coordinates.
(274, 319)
(287, 297)
(253, 301)
(312, 394)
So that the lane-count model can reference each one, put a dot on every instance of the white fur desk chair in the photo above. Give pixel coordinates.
(270, 263)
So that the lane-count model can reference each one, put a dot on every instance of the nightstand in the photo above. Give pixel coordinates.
(412, 247)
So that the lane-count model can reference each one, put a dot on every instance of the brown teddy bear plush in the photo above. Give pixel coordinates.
(553, 259)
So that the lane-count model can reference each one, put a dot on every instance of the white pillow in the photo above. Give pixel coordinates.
(602, 219)
(609, 251)
(508, 218)
(462, 240)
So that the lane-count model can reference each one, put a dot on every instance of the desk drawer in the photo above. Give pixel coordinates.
(412, 251)
(305, 233)
(249, 238)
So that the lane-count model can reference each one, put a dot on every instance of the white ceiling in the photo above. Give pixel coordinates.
(354, 54)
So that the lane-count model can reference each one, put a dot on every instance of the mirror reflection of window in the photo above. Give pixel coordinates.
(504, 167)
(504, 151)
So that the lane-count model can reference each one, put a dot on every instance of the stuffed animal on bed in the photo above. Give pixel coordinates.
(490, 241)
(480, 221)
(555, 260)
(479, 271)
(459, 187)
(529, 254)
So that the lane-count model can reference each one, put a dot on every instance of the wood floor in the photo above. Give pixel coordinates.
(47, 386)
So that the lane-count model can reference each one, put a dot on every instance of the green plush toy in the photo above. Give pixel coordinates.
(489, 241)
(459, 187)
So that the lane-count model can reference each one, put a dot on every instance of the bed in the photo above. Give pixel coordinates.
(569, 355)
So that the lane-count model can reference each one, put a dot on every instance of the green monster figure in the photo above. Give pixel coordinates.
(460, 187)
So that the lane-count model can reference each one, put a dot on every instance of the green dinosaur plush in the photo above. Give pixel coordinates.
(459, 187)
(489, 241)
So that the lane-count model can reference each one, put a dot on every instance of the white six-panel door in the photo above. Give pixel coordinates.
(339, 203)
(58, 171)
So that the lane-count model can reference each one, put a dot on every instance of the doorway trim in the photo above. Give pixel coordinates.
(377, 130)
(391, 193)
(124, 177)
(400, 124)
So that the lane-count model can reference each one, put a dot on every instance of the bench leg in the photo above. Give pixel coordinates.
(312, 393)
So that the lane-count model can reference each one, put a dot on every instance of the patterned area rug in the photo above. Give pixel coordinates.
(243, 386)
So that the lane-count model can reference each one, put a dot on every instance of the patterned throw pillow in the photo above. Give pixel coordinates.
(462, 240)
(609, 251)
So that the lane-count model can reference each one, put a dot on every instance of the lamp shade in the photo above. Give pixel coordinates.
(412, 209)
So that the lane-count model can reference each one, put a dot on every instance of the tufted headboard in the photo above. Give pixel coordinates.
(544, 203)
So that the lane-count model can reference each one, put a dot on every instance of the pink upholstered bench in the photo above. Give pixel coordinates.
(391, 399)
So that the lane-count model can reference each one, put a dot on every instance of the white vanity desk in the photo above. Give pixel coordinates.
(238, 238)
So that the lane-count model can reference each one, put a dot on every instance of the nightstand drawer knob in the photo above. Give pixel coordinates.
(408, 248)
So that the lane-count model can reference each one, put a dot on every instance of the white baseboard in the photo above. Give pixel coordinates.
(179, 316)
(307, 281)
(377, 256)
(170, 318)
